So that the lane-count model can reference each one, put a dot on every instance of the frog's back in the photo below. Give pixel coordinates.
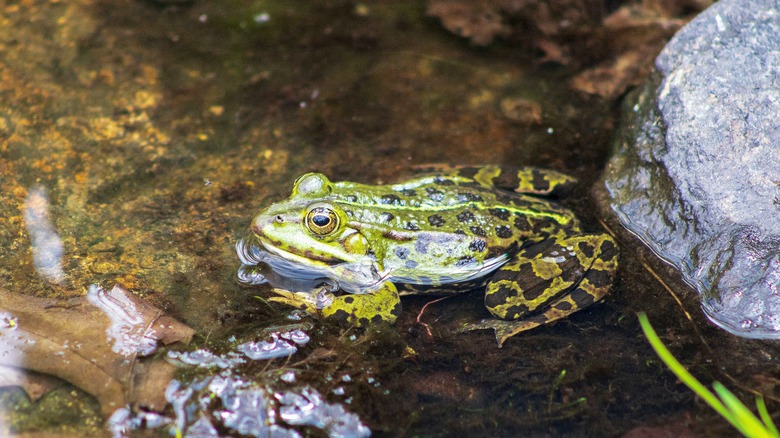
(451, 204)
(436, 230)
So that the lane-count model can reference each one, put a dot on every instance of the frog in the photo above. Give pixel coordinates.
(445, 230)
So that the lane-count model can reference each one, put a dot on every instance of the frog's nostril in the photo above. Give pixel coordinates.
(279, 219)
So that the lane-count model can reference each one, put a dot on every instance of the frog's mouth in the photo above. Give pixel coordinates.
(309, 260)
(360, 276)
(252, 251)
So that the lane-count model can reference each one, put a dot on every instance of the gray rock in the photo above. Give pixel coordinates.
(696, 173)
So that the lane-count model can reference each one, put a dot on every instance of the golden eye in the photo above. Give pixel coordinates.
(322, 220)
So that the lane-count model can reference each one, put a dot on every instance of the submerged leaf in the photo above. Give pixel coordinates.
(91, 342)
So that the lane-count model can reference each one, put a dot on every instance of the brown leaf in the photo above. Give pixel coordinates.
(92, 343)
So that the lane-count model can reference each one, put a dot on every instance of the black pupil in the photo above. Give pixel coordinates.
(320, 220)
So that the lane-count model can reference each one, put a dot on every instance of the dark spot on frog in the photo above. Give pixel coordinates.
(385, 216)
(443, 181)
(599, 278)
(408, 192)
(581, 298)
(363, 322)
(543, 226)
(401, 252)
(396, 310)
(390, 199)
(436, 220)
(573, 271)
(411, 264)
(539, 182)
(459, 231)
(376, 319)
(349, 300)
(468, 197)
(465, 261)
(477, 245)
(465, 216)
(411, 226)
(500, 213)
(586, 249)
(478, 231)
(537, 248)
(503, 231)
(608, 251)
(340, 315)
(521, 223)
(434, 195)
(468, 172)
(510, 199)
(515, 312)
(507, 180)
(563, 306)
(538, 287)
(499, 296)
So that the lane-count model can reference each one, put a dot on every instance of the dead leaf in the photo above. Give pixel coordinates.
(93, 343)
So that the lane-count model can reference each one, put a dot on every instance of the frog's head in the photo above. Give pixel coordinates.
(308, 228)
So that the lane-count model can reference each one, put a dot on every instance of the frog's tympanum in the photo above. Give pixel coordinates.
(451, 230)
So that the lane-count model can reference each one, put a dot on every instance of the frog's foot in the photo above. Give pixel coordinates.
(506, 329)
(558, 276)
(305, 301)
(383, 305)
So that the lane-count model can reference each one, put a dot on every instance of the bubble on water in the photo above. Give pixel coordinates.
(276, 347)
(306, 408)
(205, 359)
(297, 336)
(244, 408)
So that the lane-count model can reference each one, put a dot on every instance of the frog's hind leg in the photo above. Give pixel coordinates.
(559, 278)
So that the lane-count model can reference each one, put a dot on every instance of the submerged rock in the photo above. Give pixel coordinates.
(696, 173)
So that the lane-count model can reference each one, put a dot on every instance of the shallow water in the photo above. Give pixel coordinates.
(155, 134)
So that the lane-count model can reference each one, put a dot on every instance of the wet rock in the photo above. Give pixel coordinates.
(696, 173)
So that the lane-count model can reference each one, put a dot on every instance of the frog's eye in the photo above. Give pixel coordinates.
(322, 220)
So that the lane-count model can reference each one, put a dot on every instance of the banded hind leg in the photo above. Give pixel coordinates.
(549, 281)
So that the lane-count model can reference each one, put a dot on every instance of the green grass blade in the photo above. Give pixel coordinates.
(770, 425)
(751, 425)
(679, 370)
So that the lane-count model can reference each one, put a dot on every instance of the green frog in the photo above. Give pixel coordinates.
(448, 230)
